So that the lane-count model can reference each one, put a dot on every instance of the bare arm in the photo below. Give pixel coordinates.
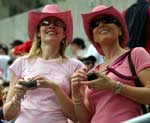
(138, 94)
(81, 104)
(83, 110)
(12, 106)
(66, 103)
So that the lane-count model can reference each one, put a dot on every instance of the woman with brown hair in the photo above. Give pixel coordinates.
(111, 98)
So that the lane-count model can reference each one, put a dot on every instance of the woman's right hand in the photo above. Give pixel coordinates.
(77, 77)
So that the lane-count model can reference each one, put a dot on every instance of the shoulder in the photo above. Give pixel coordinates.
(140, 58)
(74, 64)
(74, 61)
(139, 51)
(22, 58)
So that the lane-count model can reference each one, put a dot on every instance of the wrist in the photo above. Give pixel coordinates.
(78, 100)
(118, 87)
(112, 85)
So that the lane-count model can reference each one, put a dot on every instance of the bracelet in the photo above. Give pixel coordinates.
(118, 87)
(77, 101)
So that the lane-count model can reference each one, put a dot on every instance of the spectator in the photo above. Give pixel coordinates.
(92, 51)
(16, 43)
(111, 98)
(89, 62)
(49, 100)
(77, 47)
(3, 49)
(22, 48)
(4, 58)
(137, 17)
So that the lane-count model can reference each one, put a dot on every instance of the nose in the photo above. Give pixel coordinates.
(101, 23)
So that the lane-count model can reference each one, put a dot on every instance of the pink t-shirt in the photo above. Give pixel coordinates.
(41, 105)
(110, 108)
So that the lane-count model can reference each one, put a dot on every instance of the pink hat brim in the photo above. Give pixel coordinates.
(87, 18)
(35, 17)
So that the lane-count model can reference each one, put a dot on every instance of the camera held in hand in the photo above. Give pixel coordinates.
(29, 84)
(91, 76)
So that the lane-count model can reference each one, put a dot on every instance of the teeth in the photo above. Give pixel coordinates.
(51, 33)
(103, 32)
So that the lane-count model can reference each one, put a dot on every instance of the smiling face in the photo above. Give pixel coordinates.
(52, 30)
(106, 30)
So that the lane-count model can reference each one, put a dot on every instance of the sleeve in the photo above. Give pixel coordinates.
(140, 58)
(75, 65)
(79, 65)
(16, 67)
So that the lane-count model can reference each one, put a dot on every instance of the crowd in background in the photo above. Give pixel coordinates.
(88, 56)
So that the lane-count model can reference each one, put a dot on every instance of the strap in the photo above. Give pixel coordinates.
(121, 75)
(137, 80)
(118, 73)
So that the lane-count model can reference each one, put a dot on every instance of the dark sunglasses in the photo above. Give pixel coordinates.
(105, 20)
(56, 22)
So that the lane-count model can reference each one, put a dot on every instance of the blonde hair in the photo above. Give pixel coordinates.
(36, 47)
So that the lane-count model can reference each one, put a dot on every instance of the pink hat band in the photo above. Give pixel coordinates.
(51, 9)
(97, 8)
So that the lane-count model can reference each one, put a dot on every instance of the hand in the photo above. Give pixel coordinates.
(44, 82)
(102, 83)
(77, 77)
(20, 90)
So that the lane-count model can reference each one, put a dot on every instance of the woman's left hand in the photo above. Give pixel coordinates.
(101, 83)
(44, 82)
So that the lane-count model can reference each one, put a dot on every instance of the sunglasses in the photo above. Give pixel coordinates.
(55, 22)
(105, 20)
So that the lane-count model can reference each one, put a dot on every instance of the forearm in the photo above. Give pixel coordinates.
(66, 104)
(138, 94)
(11, 108)
(81, 111)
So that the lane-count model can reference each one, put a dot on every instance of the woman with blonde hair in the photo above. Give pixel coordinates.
(40, 81)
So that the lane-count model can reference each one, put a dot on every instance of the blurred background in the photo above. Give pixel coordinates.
(13, 15)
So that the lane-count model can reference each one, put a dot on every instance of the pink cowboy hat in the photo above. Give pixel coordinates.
(35, 17)
(104, 10)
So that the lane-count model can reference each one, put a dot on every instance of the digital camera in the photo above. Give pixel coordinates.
(91, 76)
(29, 84)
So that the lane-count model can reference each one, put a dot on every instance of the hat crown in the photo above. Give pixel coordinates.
(99, 8)
(53, 8)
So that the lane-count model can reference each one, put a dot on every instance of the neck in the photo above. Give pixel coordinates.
(49, 52)
(113, 51)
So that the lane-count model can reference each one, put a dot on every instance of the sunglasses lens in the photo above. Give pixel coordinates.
(104, 20)
(45, 23)
(95, 23)
(107, 19)
(55, 22)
